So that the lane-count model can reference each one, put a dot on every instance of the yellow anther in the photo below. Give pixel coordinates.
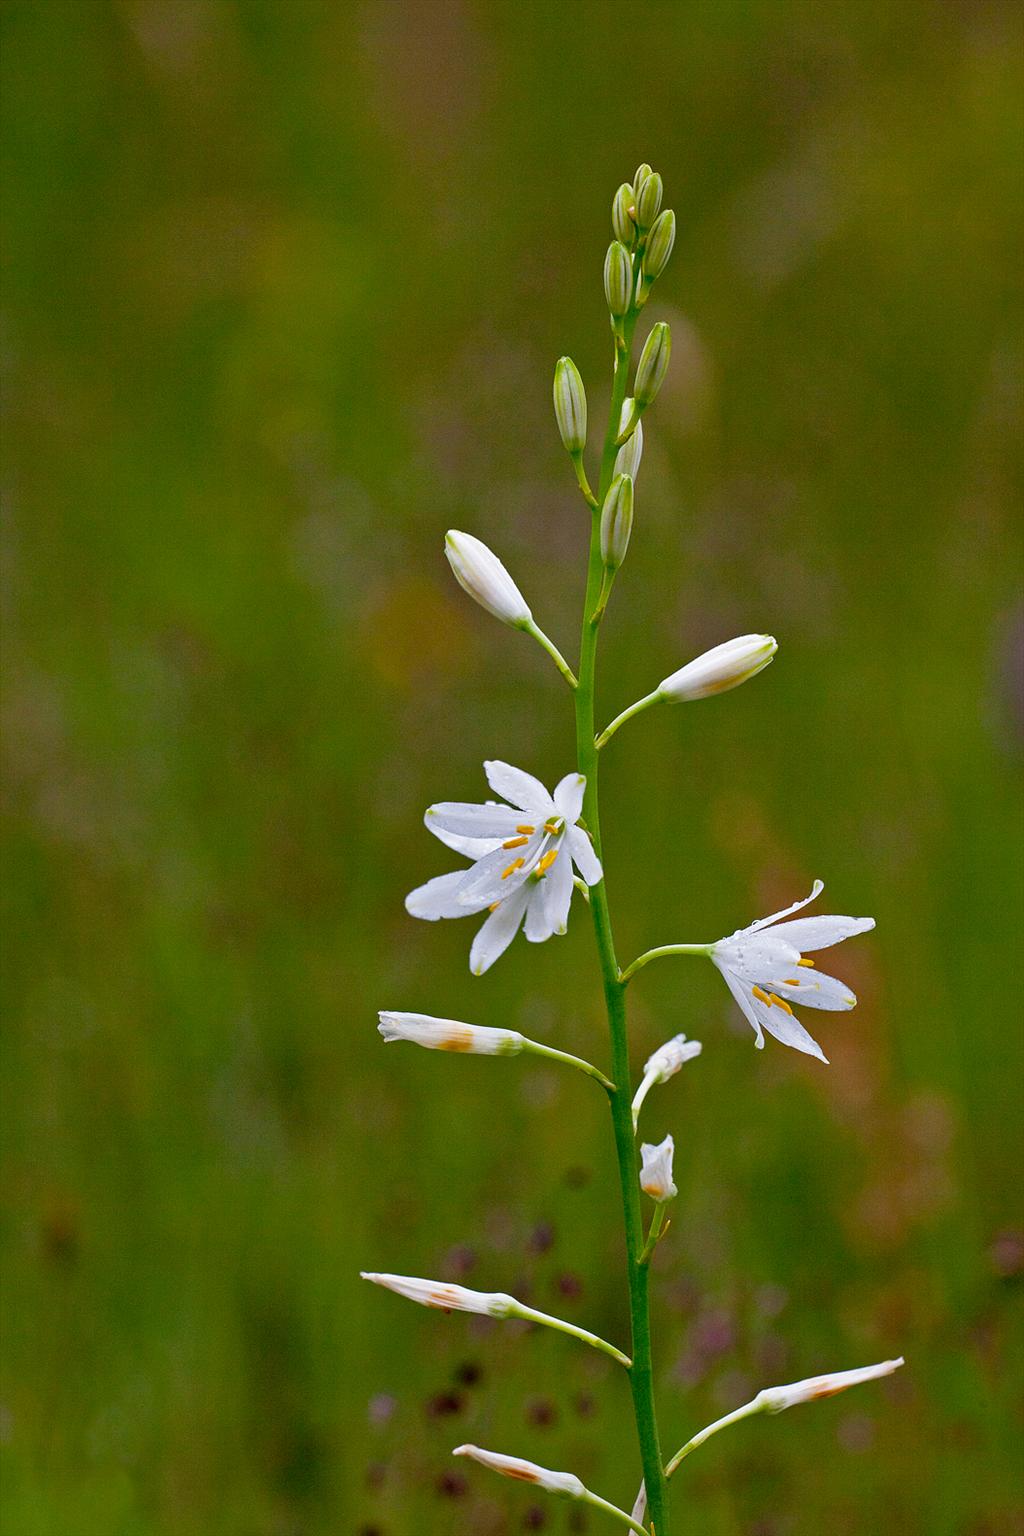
(526, 829)
(516, 864)
(546, 863)
(809, 963)
(494, 906)
(790, 981)
(762, 996)
(554, 826)
(782, 1003)
(515, 842)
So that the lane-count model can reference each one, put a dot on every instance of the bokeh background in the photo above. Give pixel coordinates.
(284, 283)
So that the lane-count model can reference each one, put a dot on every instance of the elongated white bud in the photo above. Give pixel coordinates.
(564, 1483)
(617, 522)
(648, 200)
(627, 460)
(722, 668)
(622, 220)
(653, 364)
(445, 1298)
(570, 406)
(659, 245)
(776, 1399)
(663, 1064)
(618, 279)
(450, 1034)
(656, 1170)
(479, 572)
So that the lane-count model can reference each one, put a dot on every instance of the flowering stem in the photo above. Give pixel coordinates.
(529, 1314)
(627, 714)
(536, 1049)
(665, 949)
(641, 1374)
(712, 1429)
(534, 629)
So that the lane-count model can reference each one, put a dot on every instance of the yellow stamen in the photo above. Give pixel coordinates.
(546, 863)
(809, 963)
(782, 1004)
(515, 842)
(762, 996)
(526, 829)
(790, 981)
(553, 826)
(494, 906)
(516, 864)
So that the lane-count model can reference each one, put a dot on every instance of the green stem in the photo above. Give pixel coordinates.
(531, 1315)
(583, 482)
(559, 660)
(627, 714)
(653, 1235)
(641, 1372)
(657, 954)
(612, 1509)
(535, 1048)
(712, 1429)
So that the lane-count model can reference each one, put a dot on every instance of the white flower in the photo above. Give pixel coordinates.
(775, 1399)
(718, 670)
(525, 1471)
(766, 973)
(450, 1034)
(445, 1298)
(480, 573)
(664, 1063)
(523, 854)
(656, 1170)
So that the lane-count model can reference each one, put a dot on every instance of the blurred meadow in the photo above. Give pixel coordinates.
(284, 282)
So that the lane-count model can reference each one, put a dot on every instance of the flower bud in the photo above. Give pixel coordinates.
(480, 573)
(659, 245)
(722, 668)
(776, 1399)
(450, 1034)
(445, 1298)
(648, 200)
(656, 1170)
(570, 406)
(653, 364)
(618, 279)
(640, 175)
(622, 220)
(627, 460)
(565, 1483)
(668, 1058)
(617, 522)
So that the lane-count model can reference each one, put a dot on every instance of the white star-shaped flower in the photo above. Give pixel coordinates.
(523, 854)
(766, 972)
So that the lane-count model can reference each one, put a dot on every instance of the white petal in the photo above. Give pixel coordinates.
(785, 1027)
(810, 933)
(437, 898)
(468, 820)
(583, 855)
(764, 922)
(816, 990)
(569, 797)
(745, 1001)
(495, 936)
(494, 877)
(470, 847)
(520, 789)
(538, 927)
(556, 891)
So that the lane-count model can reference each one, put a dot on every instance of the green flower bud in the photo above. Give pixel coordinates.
(650, 372)
(618, 279)
(659, 245)
(570, 406)
(640, 176)
(648, 201)
(617, 522)
(622, 219)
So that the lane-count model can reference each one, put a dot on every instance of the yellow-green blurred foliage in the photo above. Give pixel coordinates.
(284, 285)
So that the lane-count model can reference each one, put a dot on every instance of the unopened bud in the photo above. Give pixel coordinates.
(640, 175)
(617, 522)
(622, 219)
(618, 279)
(627, 460)
(480, 573)
(722, 668)
(444, 1297)
(656, 1170)
(663, 1064)
(651, 369)
(570, 406)
(648, 200)
(450, 1034)
(776, 1399)
(659, 245)
(565, 1483)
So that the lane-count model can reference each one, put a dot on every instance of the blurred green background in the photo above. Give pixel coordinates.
(284, 283)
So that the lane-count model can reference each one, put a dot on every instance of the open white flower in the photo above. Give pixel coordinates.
(523, 854)
(766, 972)
(656, 1170)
